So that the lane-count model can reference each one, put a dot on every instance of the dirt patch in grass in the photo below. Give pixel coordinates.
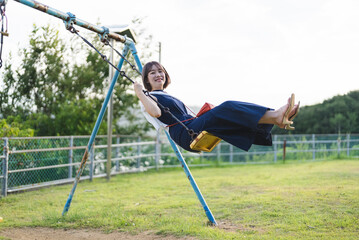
(78, 234)
(231, 227)
(227, 226)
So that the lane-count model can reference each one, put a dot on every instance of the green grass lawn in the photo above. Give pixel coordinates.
(317, 200)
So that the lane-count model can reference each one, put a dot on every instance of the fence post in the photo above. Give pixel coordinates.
(348, 144)
(92, 161)
(71, 155)
(338, 144)
(138, 153)
(284, 149)
(275, 148)
(109, 148)
(313, 145)
(5, 167)
(157, 149)
(231, 153)
(218, 153)
(117, 153)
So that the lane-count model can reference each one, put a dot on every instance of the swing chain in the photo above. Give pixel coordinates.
(166, 109)
(193, 134)
(107, 42)
(190, 132)
(72, 30)
(104, 57)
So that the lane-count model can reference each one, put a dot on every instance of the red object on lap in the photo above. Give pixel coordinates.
(205, 108)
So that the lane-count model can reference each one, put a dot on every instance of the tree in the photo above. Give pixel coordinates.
(337, 114)
(337, 122)
(34, 86)
(14, 128)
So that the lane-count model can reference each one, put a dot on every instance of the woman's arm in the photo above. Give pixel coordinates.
(151, 106)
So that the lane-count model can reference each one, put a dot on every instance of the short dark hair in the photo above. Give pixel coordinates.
(147, 68)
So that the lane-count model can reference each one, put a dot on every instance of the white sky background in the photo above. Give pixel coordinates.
(256, 51)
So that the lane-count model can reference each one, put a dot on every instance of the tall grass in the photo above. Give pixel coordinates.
(316, 200)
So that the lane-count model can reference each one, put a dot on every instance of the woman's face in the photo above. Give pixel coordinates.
(156, 78)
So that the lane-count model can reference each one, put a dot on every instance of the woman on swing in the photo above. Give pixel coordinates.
(238, 123)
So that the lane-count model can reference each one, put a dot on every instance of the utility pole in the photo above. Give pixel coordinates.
(109, 120)
(159, 52)
(122, 30)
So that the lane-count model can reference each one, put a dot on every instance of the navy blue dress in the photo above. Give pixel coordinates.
(233, 121)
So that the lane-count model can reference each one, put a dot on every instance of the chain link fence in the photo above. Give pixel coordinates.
(27, 163)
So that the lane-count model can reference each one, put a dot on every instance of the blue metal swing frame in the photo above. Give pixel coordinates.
(69, 19)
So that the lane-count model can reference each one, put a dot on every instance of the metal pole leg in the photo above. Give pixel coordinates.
(192, 181)
(94, 132)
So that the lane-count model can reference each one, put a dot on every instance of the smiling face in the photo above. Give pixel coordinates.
(155, 76)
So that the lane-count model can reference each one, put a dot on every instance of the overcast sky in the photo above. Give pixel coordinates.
(256, 51)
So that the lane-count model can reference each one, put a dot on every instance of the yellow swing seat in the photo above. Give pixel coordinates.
(205, 142)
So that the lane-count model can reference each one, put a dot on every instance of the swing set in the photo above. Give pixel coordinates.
(202, 141)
